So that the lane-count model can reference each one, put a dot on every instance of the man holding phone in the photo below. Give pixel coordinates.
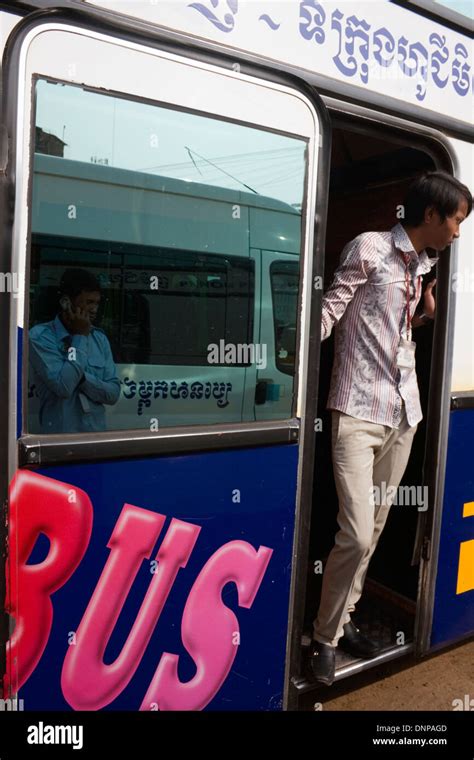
(71, 360)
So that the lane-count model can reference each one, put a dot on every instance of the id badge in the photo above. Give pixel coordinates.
(406, 353)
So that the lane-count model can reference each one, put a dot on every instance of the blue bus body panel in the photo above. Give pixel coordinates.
(453, 615)
(239, 495)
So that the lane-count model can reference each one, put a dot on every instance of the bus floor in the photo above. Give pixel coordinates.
(383, 615)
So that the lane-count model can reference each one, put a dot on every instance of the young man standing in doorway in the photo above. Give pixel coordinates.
(374, 394)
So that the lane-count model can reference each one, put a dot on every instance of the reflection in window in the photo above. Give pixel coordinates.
(199, 298)
(285, 282)
(166, 142)
(166, 213)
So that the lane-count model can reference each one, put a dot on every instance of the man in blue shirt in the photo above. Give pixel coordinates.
(71, 361)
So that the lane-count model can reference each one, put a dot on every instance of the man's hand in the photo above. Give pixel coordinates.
(429, 301)
(429, 307)
(76, 320)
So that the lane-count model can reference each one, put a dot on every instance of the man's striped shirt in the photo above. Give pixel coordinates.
(367, 301)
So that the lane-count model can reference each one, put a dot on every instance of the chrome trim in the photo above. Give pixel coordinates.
(38, 450)
(309, 380)
(462, 399)
(303, 686)
(363, 665)
(430, 522)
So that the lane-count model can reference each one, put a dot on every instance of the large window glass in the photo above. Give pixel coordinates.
(147, 229)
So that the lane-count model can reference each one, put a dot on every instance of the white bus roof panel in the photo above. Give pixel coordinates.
(376, 46)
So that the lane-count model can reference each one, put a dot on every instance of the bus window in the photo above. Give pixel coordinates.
(200, 298)
(285, 282)
(143, 309)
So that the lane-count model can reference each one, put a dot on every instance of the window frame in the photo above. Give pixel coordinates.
(195, 437)
(96, 437)
(274, 265)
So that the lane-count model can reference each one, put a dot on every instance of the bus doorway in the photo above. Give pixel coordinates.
(370, 171)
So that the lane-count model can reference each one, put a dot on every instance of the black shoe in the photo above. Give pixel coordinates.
(323, 662)
(354, 642)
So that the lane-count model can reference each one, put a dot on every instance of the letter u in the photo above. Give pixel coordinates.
(87, 683)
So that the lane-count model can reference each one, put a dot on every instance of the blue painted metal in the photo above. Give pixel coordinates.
(453, 614)
(197, 488)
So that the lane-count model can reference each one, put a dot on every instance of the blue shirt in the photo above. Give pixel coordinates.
(74, 375)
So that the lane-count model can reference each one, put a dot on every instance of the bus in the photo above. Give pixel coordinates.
(202, 282)
(207, 162)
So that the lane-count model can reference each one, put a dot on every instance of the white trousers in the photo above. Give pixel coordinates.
(364, 455)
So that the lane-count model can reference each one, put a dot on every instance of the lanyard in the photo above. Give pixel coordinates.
(406, 259)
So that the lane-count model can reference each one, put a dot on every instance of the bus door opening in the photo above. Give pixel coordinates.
(370, 172)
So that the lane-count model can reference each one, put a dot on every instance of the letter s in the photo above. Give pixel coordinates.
(208, 628)
(40, 505)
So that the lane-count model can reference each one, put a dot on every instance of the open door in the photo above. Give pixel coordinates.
(165, 534)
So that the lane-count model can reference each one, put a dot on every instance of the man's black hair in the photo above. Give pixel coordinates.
(76, 281)
(436, 189)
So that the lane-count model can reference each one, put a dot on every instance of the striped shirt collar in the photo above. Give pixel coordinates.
(403, 243)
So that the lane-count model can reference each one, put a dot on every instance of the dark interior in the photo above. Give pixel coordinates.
(369, 176)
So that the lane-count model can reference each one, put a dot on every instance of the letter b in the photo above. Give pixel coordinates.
(40, 505)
